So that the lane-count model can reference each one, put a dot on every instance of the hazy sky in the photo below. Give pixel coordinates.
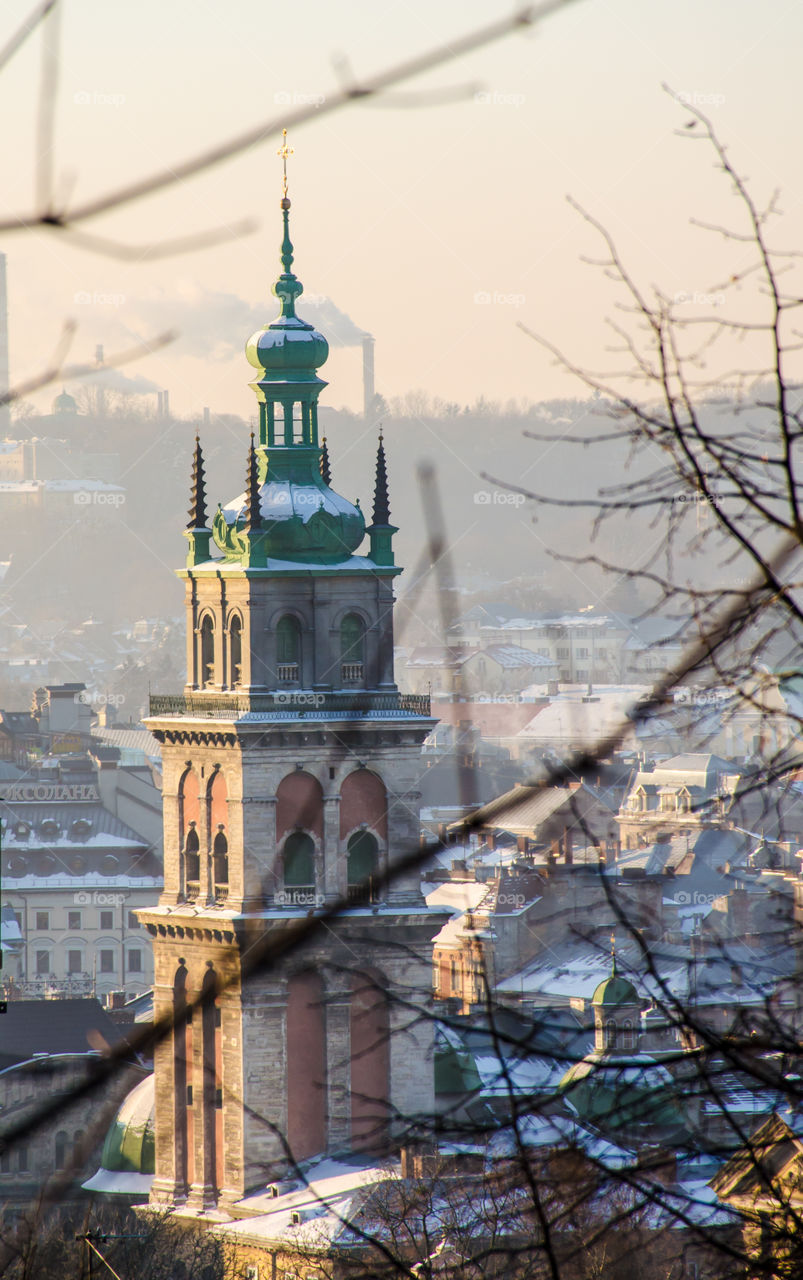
(409, 219)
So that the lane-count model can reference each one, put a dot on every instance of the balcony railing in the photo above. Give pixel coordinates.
(287, 672)
(351, 673)
(361, 895)
(288, 702)
(44, 988)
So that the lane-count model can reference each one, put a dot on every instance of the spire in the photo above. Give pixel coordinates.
(253, 514)
(613, 953)
(326, 470)
(288, 287)
(381, 502)
(197, 532)
(381, 531)
(197, 511)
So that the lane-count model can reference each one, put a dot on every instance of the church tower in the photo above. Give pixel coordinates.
(290, 782)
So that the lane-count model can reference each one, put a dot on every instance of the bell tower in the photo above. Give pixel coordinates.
(290, 767)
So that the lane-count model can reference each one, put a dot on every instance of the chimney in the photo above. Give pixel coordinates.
(368, 376)
(5, 410)
(159, 405)
(166, 403)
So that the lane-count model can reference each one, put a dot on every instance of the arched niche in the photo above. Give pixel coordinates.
(299, 803)
(189, 814)
(362, 866)
(206, 651)
(352, 649)
(235, 650)
(363, 803)
(288, 650)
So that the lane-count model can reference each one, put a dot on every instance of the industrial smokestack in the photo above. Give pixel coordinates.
(5, 410)
(166, 403)
(368, 376)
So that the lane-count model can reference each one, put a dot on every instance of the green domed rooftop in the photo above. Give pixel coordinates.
(128, 1160)
(304, 520)
(615, 991)
(619, 1092)
(65, 403)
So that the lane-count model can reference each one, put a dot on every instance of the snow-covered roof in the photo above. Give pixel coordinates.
(314, 1212)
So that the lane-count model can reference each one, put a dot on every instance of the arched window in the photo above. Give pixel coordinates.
(352, 649)
(610, 1034)
(206, 675)
(220, 858)
(236, 651)
(192, 856)
(62, 1146)
(78, 1138)
(362, 866)
(288, 650)
(299, 868)
(627, 1035)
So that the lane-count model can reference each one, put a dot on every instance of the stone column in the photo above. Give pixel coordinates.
(264, 1090)
(258, 845)
(169, 1188)
(326, 661)
(403, 835)
(334, 883)
(203, 1192)
(338, 1068)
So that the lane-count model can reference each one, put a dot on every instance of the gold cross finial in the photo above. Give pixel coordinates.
(284, 151)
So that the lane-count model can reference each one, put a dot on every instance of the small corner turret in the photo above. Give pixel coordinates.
(197, 533)
(381, 531)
